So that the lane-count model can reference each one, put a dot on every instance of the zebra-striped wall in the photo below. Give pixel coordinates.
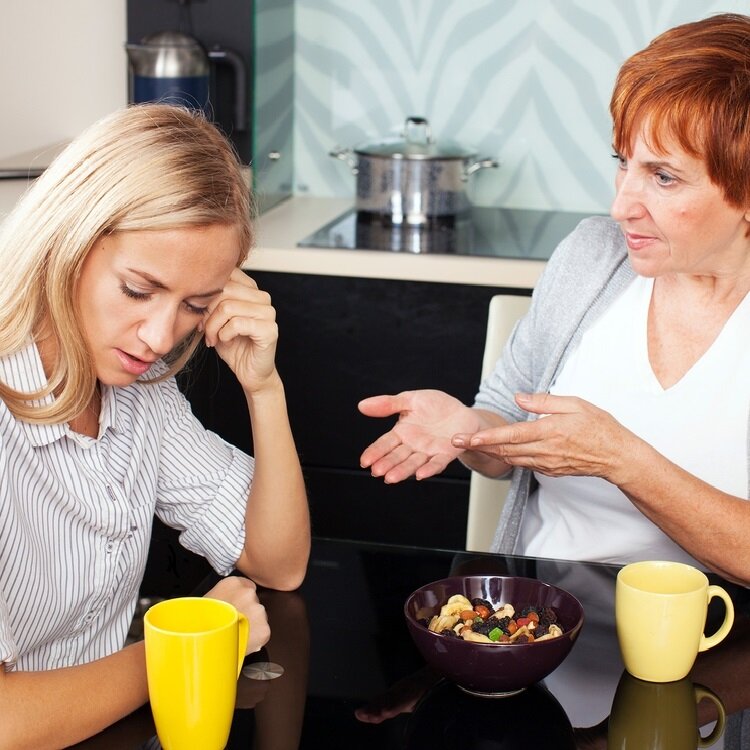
(524, 81)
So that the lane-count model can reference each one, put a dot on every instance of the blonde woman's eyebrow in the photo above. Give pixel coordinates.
(160, 285)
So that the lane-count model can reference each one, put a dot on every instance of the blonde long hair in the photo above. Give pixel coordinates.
(145, 167)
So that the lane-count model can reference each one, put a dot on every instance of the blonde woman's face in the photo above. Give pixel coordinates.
(141, 293)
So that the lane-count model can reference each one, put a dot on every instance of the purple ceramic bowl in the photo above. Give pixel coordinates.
(493, 668)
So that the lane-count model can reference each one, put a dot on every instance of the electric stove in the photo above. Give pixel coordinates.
(482, 231)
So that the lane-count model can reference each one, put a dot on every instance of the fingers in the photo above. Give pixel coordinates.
(381, 406)
(233, 319)
(394, 461)
(241, 593)
(546, 403)
(381, 447)
(397, 464)
(389, 458)
(241, 310)
(405, 464)
(436, 465)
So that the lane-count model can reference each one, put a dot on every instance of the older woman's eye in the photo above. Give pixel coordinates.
(622, 162)
(664, 179)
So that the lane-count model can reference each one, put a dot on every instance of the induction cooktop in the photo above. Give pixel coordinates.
(483, 231)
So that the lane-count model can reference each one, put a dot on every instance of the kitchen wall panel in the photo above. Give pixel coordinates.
(524, 81)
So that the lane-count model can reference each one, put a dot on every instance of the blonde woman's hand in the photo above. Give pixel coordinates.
(241, 325)
(242, 594)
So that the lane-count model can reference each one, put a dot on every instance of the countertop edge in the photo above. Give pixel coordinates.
(279, 230)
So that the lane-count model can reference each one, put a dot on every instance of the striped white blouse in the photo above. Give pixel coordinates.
(76, 514)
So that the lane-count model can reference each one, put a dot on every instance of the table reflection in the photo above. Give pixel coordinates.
(352, 678)
(604, 707)
(447, 718)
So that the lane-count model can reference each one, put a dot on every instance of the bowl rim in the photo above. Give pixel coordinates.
(448, 579)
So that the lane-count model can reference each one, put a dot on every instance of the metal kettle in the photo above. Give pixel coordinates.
(173, 67)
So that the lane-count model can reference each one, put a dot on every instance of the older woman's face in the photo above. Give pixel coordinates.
(675, 220)
(141, 293)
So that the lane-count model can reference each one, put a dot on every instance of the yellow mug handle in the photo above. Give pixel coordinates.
(701, 693)
(707, 642)
(243, 632)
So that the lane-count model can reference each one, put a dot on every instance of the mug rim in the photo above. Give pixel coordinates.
(699, 577)
(205, 601)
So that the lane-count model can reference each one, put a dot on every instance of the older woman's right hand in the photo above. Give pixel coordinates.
(419, 444)
(242, 594)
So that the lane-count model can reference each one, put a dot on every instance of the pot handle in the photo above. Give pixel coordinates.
(481, 164)
(417, 122)
(233, 59)
(345, 154)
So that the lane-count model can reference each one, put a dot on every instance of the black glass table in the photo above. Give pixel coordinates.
(340, 670)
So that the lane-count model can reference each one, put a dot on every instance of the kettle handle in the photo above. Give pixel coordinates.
(230, 57)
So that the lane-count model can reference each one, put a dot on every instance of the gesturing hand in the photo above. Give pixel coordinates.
(572, 437)
(241, 324)
(419, 444)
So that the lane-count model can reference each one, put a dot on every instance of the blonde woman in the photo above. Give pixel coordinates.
(116, 263)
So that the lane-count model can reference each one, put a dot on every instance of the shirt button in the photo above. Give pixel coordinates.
(109, 546)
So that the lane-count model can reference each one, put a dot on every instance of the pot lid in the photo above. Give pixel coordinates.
(168, 54)
(416, 143)
(171, 39)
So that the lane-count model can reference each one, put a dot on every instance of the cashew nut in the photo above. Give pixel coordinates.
(507, 610)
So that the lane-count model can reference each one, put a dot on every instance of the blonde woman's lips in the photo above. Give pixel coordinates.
(131, 364)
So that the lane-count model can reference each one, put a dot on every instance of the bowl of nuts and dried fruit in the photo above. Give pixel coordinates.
(493, 635)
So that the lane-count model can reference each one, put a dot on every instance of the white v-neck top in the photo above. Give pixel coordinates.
(699, 423)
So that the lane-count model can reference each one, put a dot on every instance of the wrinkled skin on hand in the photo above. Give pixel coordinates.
(571, 438)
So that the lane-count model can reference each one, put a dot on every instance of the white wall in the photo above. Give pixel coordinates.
(62, 66)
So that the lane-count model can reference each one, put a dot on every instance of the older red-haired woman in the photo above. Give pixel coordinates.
(621, 401)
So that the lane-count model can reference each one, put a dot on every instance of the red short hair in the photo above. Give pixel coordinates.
(692, 83)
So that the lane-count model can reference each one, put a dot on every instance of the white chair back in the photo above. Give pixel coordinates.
(487, 496)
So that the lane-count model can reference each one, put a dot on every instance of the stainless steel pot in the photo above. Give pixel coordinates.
(412, 179)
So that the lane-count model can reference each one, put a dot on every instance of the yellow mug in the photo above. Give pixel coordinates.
(660, 612)
(195, 647)
(660, 715)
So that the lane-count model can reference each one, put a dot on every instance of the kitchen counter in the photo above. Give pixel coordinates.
(282, 227)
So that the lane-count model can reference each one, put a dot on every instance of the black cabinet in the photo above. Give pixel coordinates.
(342, 339)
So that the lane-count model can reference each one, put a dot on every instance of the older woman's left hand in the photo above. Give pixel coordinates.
(572, 437)
(241, 325)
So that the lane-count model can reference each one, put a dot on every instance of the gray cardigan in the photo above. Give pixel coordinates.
(584, 275)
